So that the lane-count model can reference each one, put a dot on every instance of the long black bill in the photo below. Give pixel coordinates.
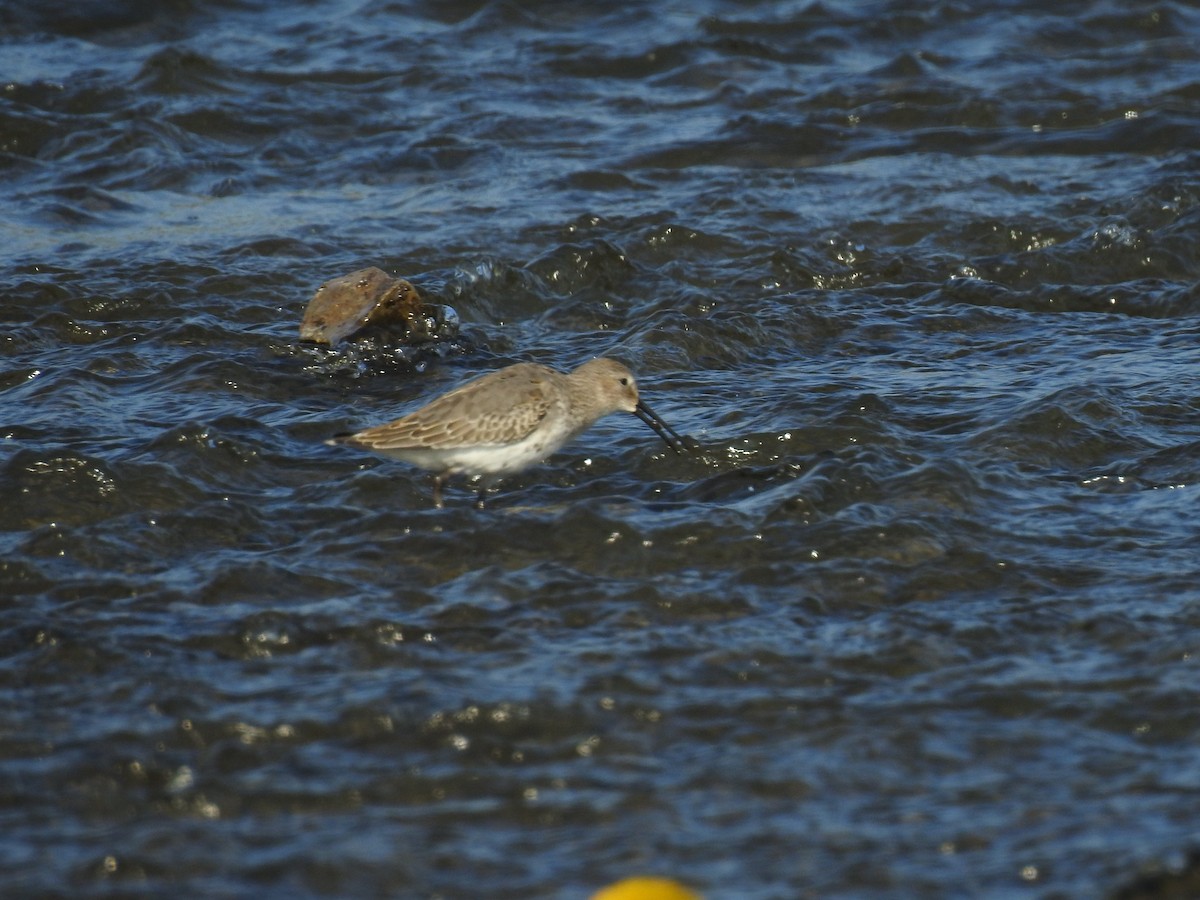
(661, 428)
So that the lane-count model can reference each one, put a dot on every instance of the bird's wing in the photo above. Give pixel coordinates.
(499, 408)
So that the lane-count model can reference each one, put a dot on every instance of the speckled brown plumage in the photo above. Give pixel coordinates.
(469, 415)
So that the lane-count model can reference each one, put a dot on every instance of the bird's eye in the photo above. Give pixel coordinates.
(625, 382)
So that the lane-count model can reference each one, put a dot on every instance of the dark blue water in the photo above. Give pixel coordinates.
(920, 617)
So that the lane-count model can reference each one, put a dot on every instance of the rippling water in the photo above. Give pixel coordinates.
(916, 621)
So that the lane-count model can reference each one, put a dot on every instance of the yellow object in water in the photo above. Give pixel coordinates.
(646, 889)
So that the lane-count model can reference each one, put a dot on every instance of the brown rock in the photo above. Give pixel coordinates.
(343, 306)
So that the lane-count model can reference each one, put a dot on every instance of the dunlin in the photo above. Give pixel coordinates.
(508, 420)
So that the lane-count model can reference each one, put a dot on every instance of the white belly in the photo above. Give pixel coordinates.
(484, 459)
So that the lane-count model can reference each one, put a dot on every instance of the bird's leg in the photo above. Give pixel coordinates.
(486, 483)
(438, 481)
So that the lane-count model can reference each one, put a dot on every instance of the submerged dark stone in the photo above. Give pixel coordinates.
(1177, 883)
